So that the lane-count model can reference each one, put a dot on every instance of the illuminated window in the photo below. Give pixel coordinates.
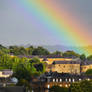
(53, 80)
(60, 85)
(60, 80)
(73, 80)
(56, 80)
(48, 86)
(66, 80)
(79, 79)
(69, 80)
(66, 85)
(88, 79)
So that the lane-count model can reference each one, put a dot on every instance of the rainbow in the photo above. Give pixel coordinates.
(57, 22)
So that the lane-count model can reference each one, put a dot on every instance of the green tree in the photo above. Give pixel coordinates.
(30, 50)
(83, 86)
(4, 49)
(21, 72)
(89, 72)
(75, 87)
(86, 86)
(22, 51)
(58, 89)
(89, 58)
(57, 53)
(70, 54)
(14, 50)
(35, 60)
(40, 51)
(83, 57)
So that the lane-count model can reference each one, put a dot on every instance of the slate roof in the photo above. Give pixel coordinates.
(42, 56)
(66, 62)
(87, 63)
(64, 75)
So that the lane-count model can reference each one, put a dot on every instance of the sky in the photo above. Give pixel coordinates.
(16, 28)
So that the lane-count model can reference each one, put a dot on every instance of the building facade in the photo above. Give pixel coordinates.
(71, 67)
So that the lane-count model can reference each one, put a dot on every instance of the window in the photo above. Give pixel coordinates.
(56, 80)
(66, 80)
(60, 80)
(69, 80)
(66, 85)
(53, 80)
(73, 80)
(48, 86)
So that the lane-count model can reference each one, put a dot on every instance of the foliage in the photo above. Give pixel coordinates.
(30, 50)
(57, 53)
(4, 49)
(83, 57)
(17, 50)
(89, 58)
(40, 51)
(83, 86)
(89, 72)
(35, 60)
(70, 54)
(58, 89)
(22, 67)
(75, 87)
(39, 67)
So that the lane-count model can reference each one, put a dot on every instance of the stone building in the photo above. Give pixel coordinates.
(50, 79)
(72, 67)
(66, 65)
(86, 66)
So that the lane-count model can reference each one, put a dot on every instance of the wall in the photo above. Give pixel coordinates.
(67, 68)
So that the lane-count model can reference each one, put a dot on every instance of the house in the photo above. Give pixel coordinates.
(72, 67)
(86, 66)
(6, 73)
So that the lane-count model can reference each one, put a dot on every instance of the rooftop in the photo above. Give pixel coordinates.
(66, 62)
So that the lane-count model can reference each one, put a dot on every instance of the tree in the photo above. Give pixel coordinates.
(86, 86)
(89, 58)
(75, 87)
(21, 72)
(58, 89)
(83, 57)
(39, 67)
(4, 49)
(89, 72)
(30, 50)
(56, 53)
(83, 86)
(14, 50)
(70, 54)
(22, 51)
(17, 50)
(40, 51)
(35, 60)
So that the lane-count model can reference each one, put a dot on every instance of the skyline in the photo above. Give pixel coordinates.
(16, 27)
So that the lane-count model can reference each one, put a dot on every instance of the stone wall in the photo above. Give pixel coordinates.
(67, 68)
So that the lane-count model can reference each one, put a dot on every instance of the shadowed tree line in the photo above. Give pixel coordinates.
(20, 50)
(83, 86)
